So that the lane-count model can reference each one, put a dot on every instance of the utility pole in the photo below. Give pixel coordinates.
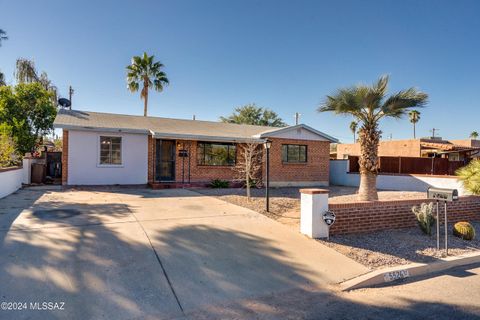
(433, 132)
(297, 117)
(70, 94)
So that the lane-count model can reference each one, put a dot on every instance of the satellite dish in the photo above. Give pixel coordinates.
(65, 103)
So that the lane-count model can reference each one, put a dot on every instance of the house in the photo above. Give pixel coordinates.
(456, 150)
(110, 149)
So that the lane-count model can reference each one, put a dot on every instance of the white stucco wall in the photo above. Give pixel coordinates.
(340, 177)
(10, 181)
(84, 155)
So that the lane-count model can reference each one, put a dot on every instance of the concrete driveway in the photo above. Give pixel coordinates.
(148, 254)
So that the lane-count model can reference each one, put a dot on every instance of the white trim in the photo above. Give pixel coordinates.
(273, 133)
(122, 164)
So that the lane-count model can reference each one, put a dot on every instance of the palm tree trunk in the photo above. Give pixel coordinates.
(145, 101)
(367, 191)
(414, 135)
(369, 138)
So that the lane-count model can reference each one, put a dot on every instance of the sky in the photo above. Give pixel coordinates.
(282, 55)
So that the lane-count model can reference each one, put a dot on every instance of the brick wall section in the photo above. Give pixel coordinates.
(384, 215)
(151, 159)
(199, 173)
(315, 169)
(65, 157)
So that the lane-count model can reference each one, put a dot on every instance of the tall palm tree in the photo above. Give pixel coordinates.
(474, 135)
(3, 36)
(144, 71)
(353, 128)
(370, 104)
(414, 116)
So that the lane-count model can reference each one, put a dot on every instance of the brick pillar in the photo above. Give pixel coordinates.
(151, 159)
(313, 203)
(65, 157)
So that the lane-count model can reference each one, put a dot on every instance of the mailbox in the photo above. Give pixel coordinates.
(442, 194)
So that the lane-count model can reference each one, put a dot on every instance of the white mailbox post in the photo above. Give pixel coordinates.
(314, 203)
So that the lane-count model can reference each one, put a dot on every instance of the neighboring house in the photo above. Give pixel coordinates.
(109, 149)
(456, 150)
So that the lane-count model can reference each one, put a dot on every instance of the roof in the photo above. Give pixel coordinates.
(446, 146)
(167, 127)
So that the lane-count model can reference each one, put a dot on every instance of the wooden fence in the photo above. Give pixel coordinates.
(412, 165)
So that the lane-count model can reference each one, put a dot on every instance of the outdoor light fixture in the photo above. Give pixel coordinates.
(267, 144)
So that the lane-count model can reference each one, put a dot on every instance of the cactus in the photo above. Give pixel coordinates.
(464, 230)
(425, 217)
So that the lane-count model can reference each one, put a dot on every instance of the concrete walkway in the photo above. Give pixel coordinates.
(149, 254)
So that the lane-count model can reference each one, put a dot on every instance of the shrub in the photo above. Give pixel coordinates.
(470, 176)
(219, 184)
(464, 230)
(8, 154)
(425, 217)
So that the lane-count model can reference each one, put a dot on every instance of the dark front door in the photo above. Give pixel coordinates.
(165, 166)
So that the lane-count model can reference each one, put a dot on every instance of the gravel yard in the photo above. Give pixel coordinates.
(401, 246)
(285, 202)
(374, 250)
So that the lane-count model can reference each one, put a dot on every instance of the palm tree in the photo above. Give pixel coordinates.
(474, 135)
(414, 116)
(3, 36)
(148, 73)
(353, 128)
(2, 79)
(369, 104)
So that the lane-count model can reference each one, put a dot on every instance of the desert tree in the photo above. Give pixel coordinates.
(249, 164)
(369, 105)
(254, 115)
(144, 71)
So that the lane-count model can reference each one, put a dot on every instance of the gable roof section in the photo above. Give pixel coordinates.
(168, 128)
(279, 132)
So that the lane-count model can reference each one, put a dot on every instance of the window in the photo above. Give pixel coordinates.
(110, 150)
(294, 153)
(216, 154)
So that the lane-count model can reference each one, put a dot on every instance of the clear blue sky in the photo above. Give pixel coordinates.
(284, 55)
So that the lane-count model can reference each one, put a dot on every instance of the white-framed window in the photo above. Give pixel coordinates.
(110, 151)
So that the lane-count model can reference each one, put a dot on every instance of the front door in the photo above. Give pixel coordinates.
(165, 166)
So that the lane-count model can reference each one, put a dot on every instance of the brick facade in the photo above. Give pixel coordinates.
(65, 157)
(315, 170)
(384, 215)
(151, 160)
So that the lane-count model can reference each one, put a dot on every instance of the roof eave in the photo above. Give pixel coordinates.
(304, 126)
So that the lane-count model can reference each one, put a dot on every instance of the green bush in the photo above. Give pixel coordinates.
(8, 154)
(464, 230)
(425, 217)
(219, 184)
(470, 176)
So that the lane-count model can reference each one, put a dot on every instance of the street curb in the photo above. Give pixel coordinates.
(390, 275)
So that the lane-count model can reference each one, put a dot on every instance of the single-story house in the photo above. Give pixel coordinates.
(111, 149)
